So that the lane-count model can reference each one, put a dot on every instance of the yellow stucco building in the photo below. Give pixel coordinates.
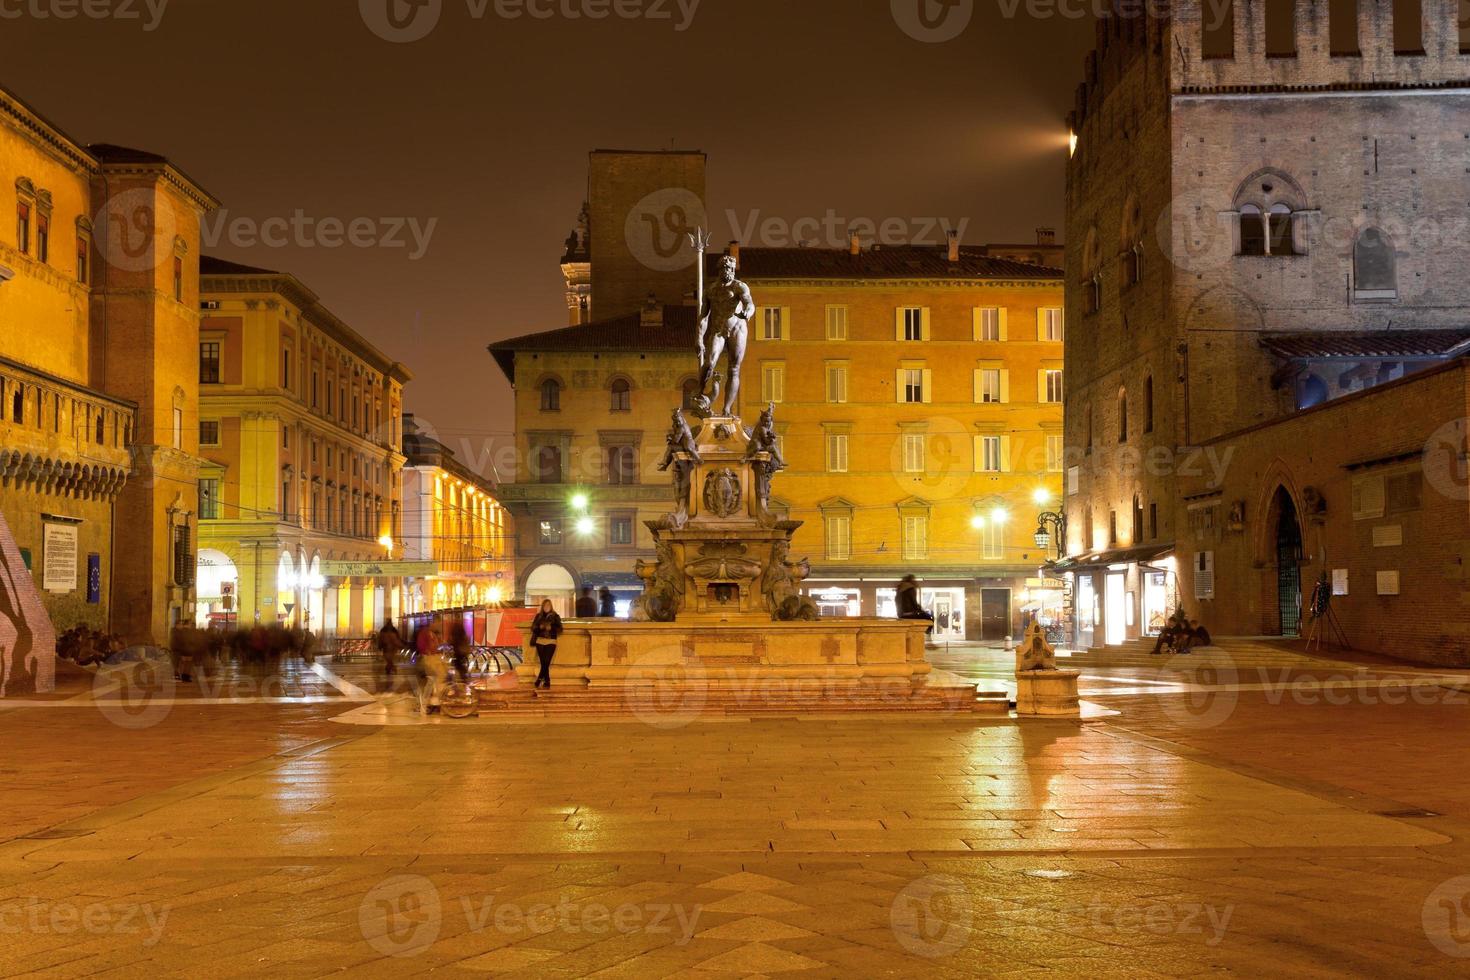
(302, 426)
(99, 322)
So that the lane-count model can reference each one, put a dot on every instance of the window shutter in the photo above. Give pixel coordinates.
(928, 386)
(898, 326)
(1004, 328)
(898, 381)
(924, 330)
(979, 385)
(785, 323)
(1041, 386)
(975, 321)
(979, 454)
(1041, 323)
(1005, 386)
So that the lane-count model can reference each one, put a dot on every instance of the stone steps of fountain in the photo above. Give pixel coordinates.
(675, 701)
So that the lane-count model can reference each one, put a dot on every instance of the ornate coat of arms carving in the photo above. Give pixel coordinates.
(722, 493)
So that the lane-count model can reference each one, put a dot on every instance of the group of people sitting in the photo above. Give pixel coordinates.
(1181, 635)
(85, 646)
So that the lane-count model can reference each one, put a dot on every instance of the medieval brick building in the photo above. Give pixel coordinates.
(1266, 210)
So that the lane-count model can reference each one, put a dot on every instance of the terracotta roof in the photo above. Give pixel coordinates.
(1387, 343)
(675, 332)
(899, 262)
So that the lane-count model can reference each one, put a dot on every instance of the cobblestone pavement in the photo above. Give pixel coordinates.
(1309, 821)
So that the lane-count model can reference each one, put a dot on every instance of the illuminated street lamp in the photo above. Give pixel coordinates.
(585, 526)
(1051, 525)
(580, 502)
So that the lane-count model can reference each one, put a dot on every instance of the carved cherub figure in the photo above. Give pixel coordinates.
(765, 452)
(681, 455)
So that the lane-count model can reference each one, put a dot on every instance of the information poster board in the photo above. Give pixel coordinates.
(59, 558)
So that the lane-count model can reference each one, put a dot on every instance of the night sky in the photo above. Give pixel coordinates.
(279, 106)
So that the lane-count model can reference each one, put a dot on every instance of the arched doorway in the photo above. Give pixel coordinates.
(554, 582)
(1288, 564)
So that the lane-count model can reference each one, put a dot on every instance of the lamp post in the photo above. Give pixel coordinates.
(1052, 525)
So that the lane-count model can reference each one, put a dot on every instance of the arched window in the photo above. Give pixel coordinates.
(1137, 519)
(551, 395)
(1148, 404)
(1252, 230)
(1092, 273)
(101, 428)
(690, 390)
(1123, 415)
(18, 404)
(622, 466)
(1089, 428)
(622, 395)
(1278, 230)
(1374, 264)
(1131, 245)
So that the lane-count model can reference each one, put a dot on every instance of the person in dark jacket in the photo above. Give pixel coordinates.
(545, 629)
(607, 607)
(586, 604)
(908, 601)
(459, 641)
(390, 645)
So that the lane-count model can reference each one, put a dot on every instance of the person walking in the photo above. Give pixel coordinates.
(586, 604)
(432, 669)
(607, 607)
(390, 645)
(459, 641)
(545, 629)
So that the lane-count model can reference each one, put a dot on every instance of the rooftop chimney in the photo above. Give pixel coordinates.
(954, 245)
(652, 314)
(1046, 236)
(854, 244)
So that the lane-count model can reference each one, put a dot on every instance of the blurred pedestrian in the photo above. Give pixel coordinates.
(607, 606)
(586, 604)
(432, 670)
(459, 641)
(390, 645)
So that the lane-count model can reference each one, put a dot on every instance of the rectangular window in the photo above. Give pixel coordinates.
(987, 323)
(1217, 28)
(1342, 26)
(620, 531)
(990, 454)
(915, 537)
(178, 280)
(913, 453)
(837, 383)
(83, 261)
(178, 428)
(773, 383)
(550, 533)
(315, 389)
(773, 326)
(1052, 325)
(1408, 27)
(913, 323)
(990, 386)
(209, 500)
(43, 238)
(1464, 31)
(209, 433)
(209, 363)
(1051, 387)
(622, 466)
(913, 386)
(839, 537)
(1280, 28)
(837, 319)
(836, 452)
(286, 369)
(993, 540)
(23, 228)
(1055, 454)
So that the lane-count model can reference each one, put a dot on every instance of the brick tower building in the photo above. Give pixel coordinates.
(1266, 209)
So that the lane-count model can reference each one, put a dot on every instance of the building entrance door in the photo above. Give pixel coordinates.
(995, 614)
(1288, 565)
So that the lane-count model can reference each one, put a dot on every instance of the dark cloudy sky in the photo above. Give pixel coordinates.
(279, 106)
